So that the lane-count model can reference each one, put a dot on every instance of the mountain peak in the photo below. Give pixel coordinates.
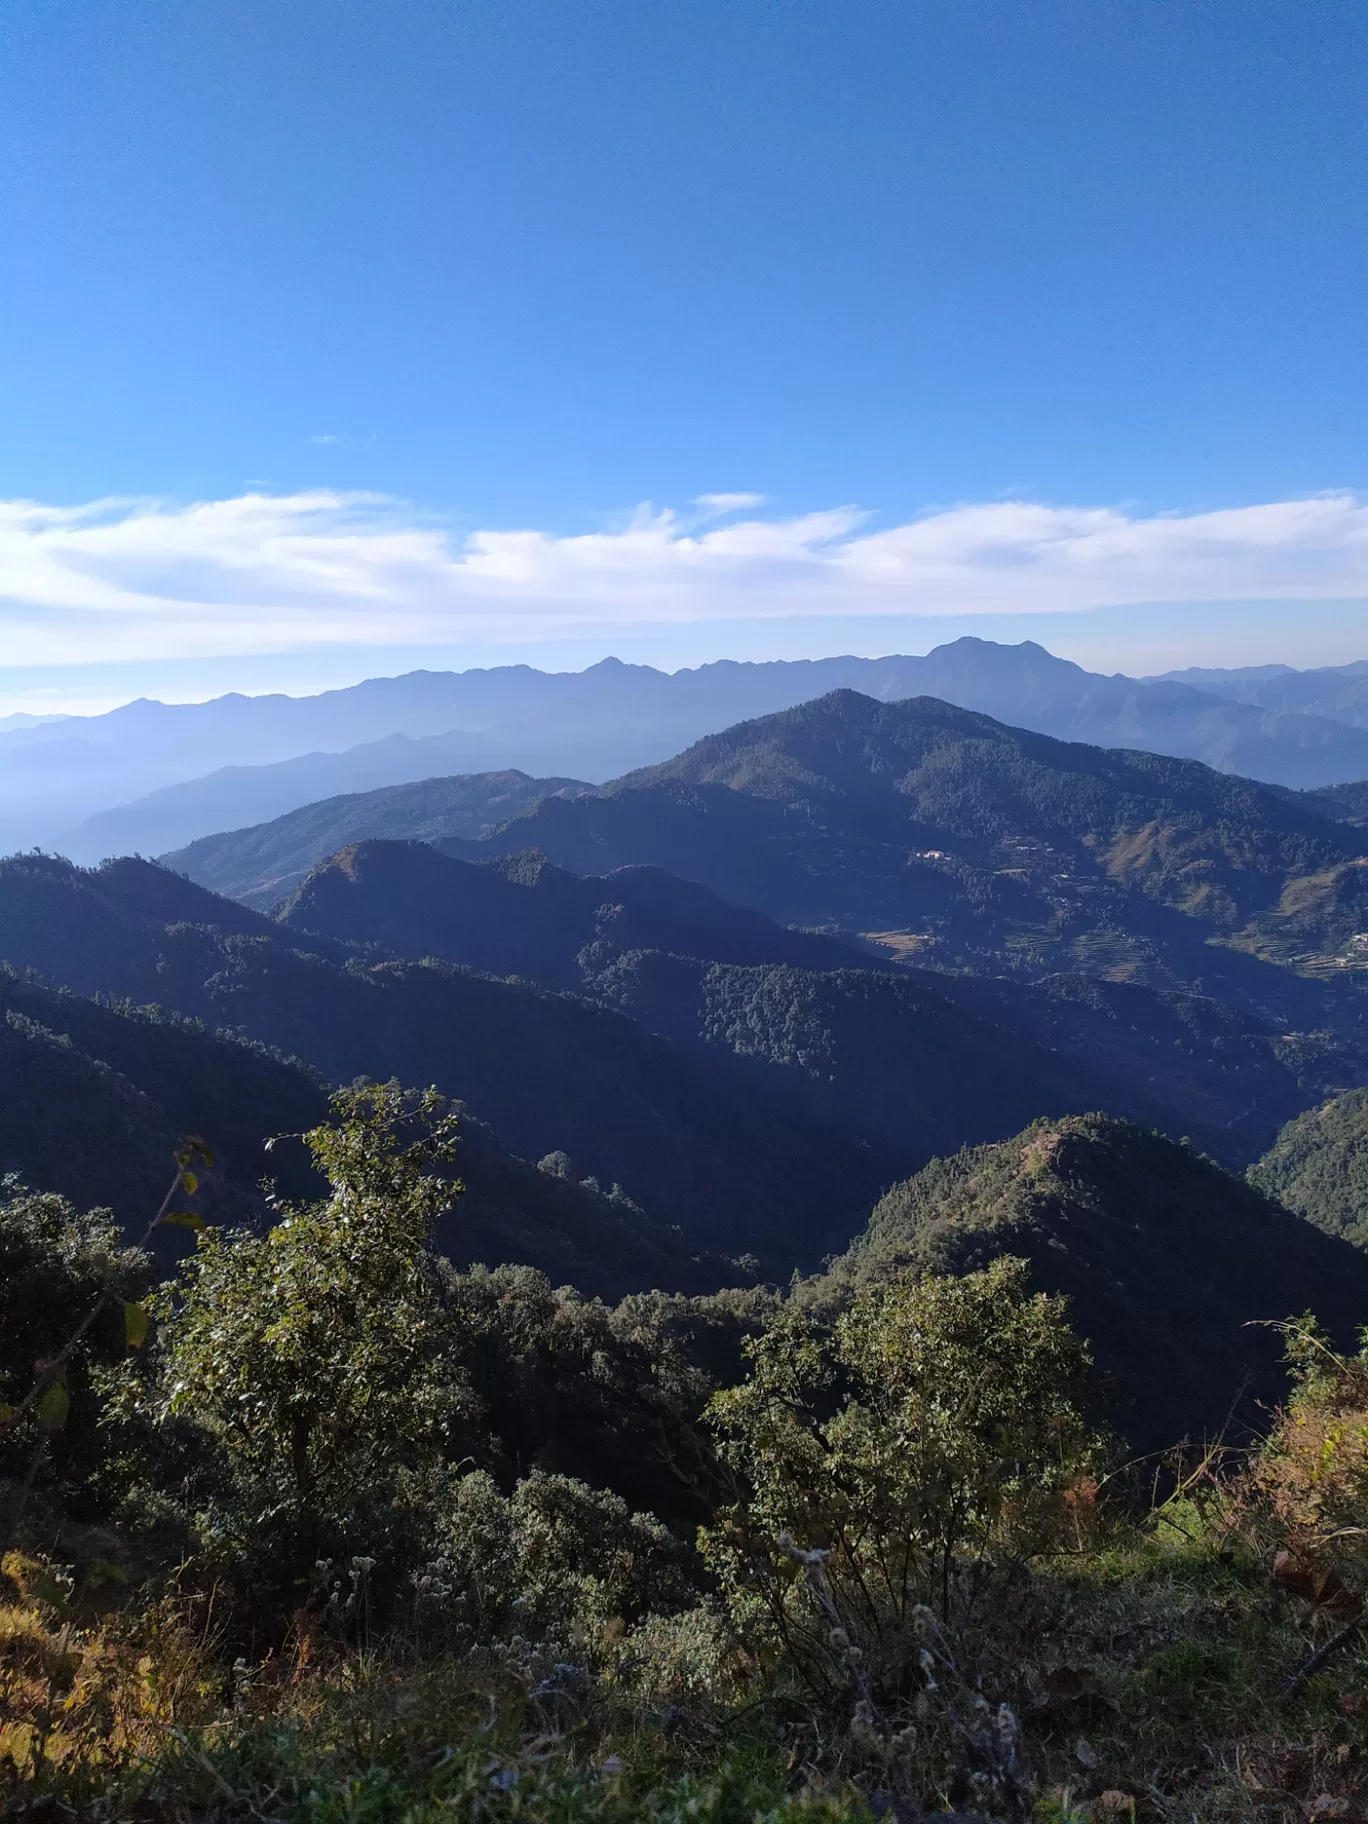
(1005, 656)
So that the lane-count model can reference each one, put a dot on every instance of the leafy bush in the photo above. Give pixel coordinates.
(452, 1510)
(915, 1455)
(553, 1560)
(612, 1395)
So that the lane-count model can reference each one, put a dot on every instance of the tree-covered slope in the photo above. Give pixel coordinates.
(893, 1054)
(685, 964)
(738, 1166)
(1167, 1258)
(898, 1055)
(267, 862)
(978, 845)
(95, 1099)
(522, 915)
(927, 761)
(1344, 803)
(1318, 1166)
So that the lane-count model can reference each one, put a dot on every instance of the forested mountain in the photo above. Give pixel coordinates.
(1168, 1260)
(966, 843)
(729, 999)
(152, 776)
(762, 1121)
(96, 1096)
(878, 1051)
(522, 915)
(676, 1100)
(853, 1033)
(1345, 803)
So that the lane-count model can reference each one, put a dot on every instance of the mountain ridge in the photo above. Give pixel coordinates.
(593, 725)
(95, 1099)
(710, 1150)
(266, 862)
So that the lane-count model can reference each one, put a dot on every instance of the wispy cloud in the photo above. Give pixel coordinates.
(718, 506)
(126, 579)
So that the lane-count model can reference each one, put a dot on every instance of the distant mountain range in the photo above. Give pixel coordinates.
(1181, 933)
(1337, 691)
(1093, 927)
(946, 836)
(151, 777)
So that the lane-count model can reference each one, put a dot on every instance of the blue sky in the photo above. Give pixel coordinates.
(440, 272)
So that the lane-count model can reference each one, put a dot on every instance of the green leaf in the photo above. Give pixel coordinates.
(6, 1412)
(189, 1182)
(52, 1408)
(186, 1219)
(135, 1325)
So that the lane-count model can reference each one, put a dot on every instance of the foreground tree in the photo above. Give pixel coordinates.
(317, 1356)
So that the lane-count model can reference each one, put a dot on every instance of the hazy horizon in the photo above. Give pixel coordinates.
(1093, 641)
(41, 704)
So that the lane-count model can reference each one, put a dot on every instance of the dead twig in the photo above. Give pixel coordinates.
(1323, 1655)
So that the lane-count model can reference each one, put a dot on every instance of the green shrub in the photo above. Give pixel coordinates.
(897, 1466)
(555, 1559)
